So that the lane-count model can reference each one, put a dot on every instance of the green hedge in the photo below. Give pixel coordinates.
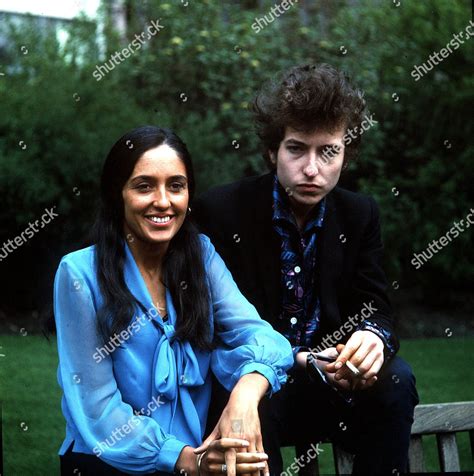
(197, 75)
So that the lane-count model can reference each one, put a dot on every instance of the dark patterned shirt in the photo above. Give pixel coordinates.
(300, 308)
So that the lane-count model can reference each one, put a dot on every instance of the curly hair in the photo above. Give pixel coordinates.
(305, 98)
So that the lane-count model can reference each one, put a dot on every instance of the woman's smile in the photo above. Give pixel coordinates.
(159, 221)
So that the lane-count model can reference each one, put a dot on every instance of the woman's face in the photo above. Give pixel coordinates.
(156, 196)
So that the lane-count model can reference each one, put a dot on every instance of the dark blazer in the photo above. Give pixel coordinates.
(238, 219)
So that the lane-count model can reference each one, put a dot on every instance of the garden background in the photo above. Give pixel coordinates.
(198, 75)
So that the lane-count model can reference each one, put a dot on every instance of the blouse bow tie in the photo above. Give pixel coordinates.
(178, 365)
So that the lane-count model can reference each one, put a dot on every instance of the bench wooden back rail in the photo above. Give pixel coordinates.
(443, 420)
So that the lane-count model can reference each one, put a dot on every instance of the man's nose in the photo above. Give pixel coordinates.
(311, 167)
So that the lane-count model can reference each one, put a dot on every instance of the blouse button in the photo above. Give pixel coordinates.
(297, 269)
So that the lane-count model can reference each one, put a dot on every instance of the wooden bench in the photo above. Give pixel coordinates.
(443, 420)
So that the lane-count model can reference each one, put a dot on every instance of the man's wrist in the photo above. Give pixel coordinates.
(387, 337)
(301, 358)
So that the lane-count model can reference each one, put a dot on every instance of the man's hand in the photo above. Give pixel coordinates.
(365, 351)
(344, 384)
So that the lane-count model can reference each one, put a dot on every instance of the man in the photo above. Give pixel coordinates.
(308, 255)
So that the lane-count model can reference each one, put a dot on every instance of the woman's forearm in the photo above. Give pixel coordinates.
(250, 387)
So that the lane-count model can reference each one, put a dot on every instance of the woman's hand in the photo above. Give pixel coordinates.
(213, 459)
(224, 451)
(240, 420)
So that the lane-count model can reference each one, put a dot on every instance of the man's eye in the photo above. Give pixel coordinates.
(294, 149)
(331, 149)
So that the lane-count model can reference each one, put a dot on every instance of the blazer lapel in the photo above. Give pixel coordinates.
(267, 248)
(329, 256)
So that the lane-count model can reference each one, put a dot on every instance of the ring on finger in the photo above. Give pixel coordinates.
(224, 468)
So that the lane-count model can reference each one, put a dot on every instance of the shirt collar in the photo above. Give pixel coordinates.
(282, 210)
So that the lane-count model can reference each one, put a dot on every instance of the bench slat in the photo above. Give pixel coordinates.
(311, 469)
(342, 460)
(415, 455)
(448, 452)
(443, 418)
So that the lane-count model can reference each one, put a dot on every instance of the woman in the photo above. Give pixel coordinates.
(142, 318)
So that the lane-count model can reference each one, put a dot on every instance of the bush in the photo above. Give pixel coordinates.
(198, 75)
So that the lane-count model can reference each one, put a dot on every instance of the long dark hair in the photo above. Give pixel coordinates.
(183, 262)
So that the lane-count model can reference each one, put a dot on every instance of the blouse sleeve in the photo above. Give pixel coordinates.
(245, 342)
(131, 443)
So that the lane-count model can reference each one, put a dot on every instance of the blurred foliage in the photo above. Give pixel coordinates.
(198, 75)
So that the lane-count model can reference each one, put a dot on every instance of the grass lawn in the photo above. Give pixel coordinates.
(33, 426)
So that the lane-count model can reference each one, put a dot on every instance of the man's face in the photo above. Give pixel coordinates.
(309, 165)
